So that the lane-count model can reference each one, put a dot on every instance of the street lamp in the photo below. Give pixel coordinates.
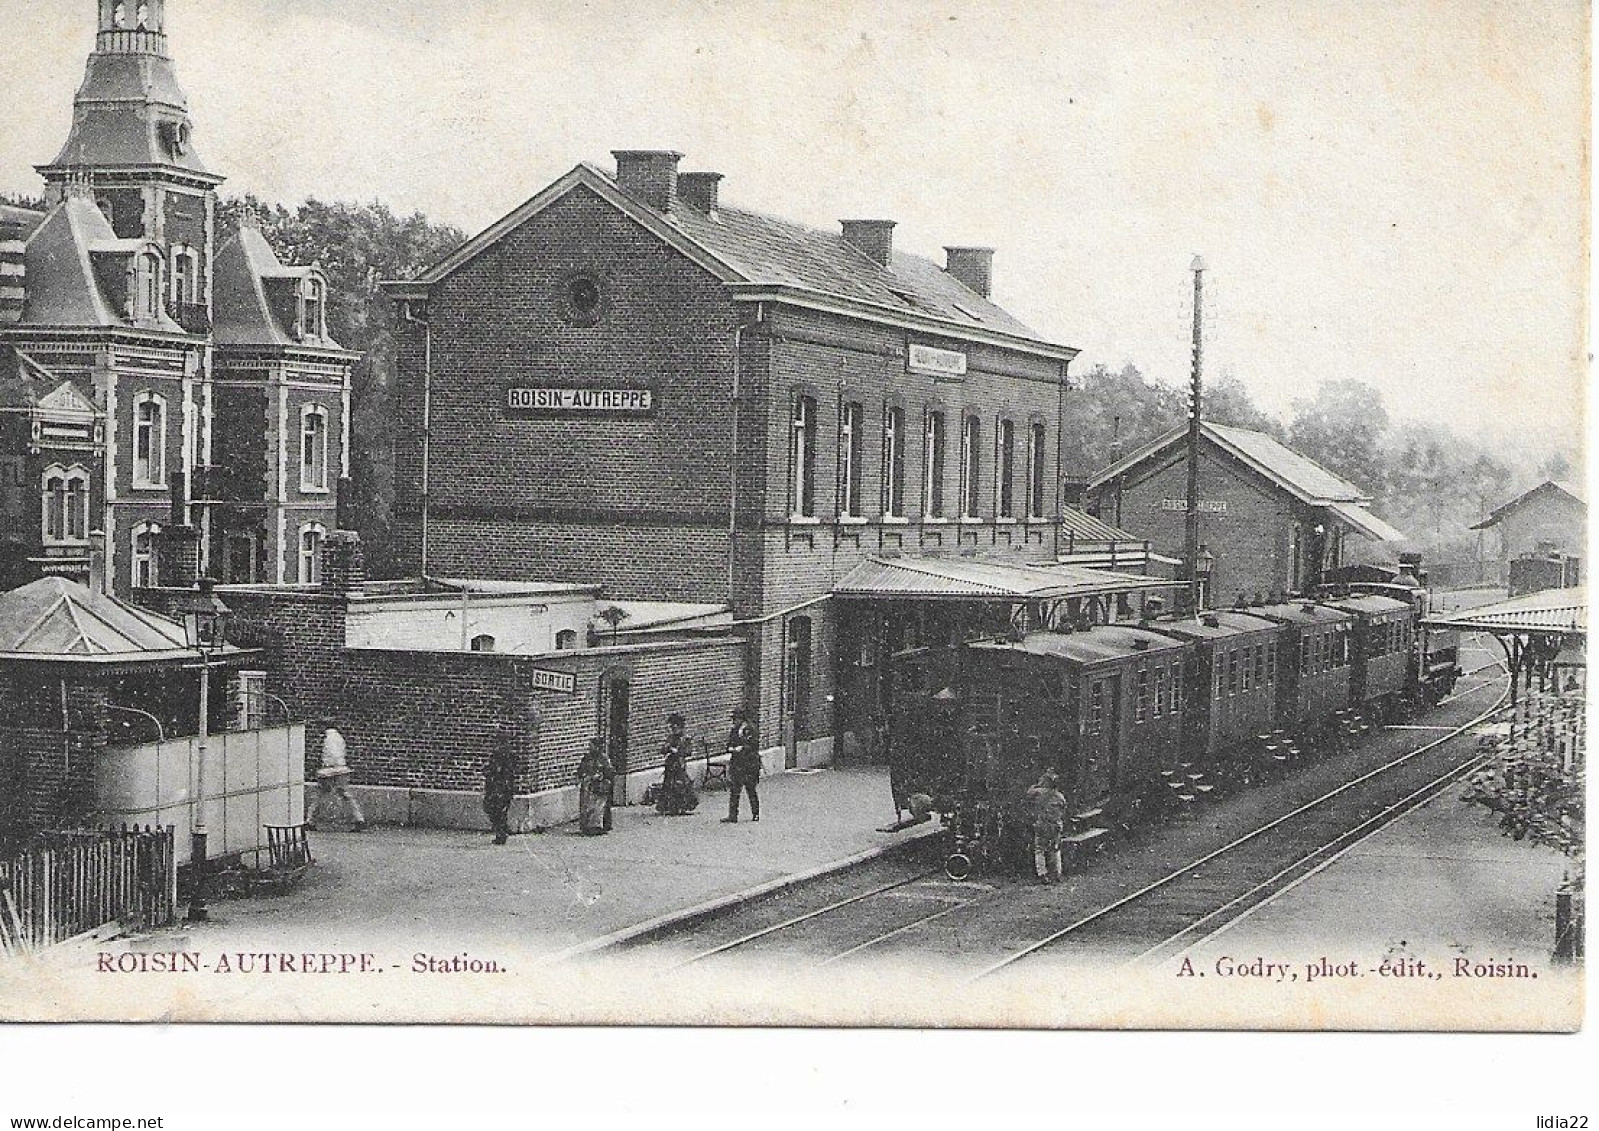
(1202, 567)
(204, 629)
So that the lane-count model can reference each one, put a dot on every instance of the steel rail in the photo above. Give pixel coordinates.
(815, 913)
(1033, 948)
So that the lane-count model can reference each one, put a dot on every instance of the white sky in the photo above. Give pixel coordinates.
(1392, 191)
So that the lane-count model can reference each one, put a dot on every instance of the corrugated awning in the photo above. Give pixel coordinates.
(1563, 611)
(976, 579)
(1366, 522)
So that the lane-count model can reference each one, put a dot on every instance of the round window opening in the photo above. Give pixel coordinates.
(583, 299)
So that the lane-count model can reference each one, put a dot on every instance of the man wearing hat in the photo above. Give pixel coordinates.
(1049, 826)
(743, 767)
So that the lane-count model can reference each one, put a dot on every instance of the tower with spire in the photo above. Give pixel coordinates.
(123, 310)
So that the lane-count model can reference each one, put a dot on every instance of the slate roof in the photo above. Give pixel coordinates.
(753, 250)
(26, 218)
(53, 618)
(1546, 487)
(765, 249)
(242, 315)
(118, 114)
(63, 289)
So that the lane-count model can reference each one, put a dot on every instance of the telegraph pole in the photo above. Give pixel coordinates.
(1195, 391)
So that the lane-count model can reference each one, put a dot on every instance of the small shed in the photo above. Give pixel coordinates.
(99, 725)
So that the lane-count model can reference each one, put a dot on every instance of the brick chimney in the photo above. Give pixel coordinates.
(649, 174)
(97, 573)
(13, 272)
(343, 562)
(699, 191)
(874, 237)
(971, 266)
(178, 557)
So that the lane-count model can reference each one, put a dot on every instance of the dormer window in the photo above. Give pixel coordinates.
(313, 448)
(149, 286)
(311, 324)
(185, 275)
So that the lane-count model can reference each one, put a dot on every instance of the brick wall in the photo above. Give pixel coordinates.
(52, 730)
(1250, 540)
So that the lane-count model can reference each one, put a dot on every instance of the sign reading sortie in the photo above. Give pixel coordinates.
(546, 680)
(567, 400)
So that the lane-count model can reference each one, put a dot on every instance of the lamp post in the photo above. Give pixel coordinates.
(204, 629)
(1202, 567)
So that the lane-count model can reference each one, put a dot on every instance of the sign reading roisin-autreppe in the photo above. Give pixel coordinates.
(572, 400)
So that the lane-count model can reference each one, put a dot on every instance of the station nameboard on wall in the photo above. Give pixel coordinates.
(938, 362)
(571, 401)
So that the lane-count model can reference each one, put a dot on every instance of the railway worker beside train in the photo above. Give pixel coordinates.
(1049, 826)
(743, 767)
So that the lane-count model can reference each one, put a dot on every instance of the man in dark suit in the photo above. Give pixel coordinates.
(743, 767)
(499, 783)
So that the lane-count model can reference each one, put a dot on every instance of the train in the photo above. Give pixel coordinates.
(1149, 716)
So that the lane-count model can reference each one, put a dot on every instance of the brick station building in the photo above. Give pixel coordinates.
(1273, 521)
(165, 384)
(627, 381)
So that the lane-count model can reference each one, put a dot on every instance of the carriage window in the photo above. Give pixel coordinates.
(1244, 680)
(1161, 677)
(1215, 677)
(1177, 689)
(1141, 704)
(1096, 707)
(1271, 662)
(1304, 655)
(1232, 673)
(1260, 665)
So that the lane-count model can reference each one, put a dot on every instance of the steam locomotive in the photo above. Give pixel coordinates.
(1144, 717)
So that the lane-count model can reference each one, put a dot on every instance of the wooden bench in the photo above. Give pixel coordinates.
(289, 854)
(715, 766)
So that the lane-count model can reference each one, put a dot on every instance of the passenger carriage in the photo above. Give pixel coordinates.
(1234, 673)
(1381, 667)
(1314, 664)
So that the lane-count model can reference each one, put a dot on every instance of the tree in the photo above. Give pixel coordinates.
(1342, 428)
(357, 245)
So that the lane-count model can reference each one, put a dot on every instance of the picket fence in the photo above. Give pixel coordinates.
(67, 883)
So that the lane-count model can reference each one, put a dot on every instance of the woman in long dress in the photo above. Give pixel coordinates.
(677, 791)
(595, 776)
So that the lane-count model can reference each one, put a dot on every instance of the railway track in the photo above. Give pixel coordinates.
(908, 910)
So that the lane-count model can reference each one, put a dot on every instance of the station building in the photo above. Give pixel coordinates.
(844, 450)
(1272, 522)
(1546, 526)
(165, 384)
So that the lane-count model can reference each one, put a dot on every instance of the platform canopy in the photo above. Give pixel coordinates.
(982, 579)
(1562, 612)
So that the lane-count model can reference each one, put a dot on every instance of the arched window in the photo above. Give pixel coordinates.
(149, 440)
(802, 459)
(566, 639)
(1035, 471)
(933, 467)
(483, 642)
(1006, 471)
(146, 571)
(894, 461)
(64, 494)
(313, 448)
(315, 308)
(311, 535)
(971, 453)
